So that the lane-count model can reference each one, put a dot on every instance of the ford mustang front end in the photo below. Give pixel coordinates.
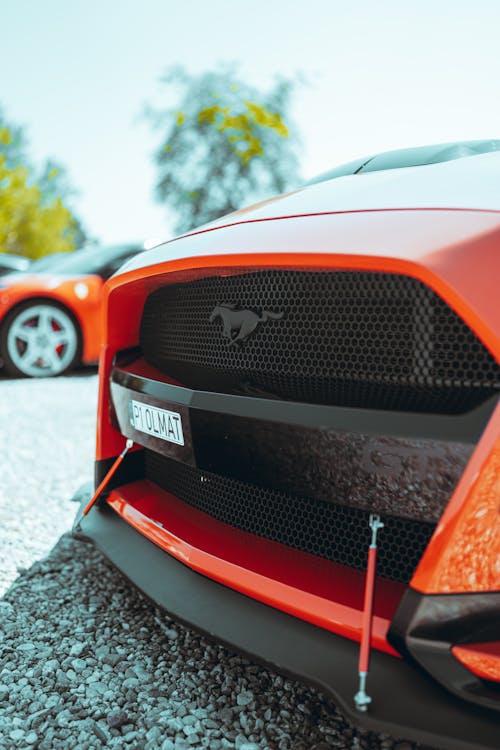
(285, 374)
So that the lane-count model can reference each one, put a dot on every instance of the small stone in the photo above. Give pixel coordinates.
(63, 681)
(51, 665)
(78, 664)
(142, 674)
(76, 649)
(130, 682)
(26, 647)
(200, 713)
(117, 720)
(16, 734)
(111, 659)
(175, 723)
(100, 734)
(245, 724)
(31, 738)
(244, 698)
(210, 724)
(38, 716)
(153, 735)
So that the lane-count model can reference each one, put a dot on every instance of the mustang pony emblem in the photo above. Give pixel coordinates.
(238, 325)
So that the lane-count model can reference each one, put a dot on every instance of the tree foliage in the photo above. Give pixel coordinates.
(226, 144)
(34, 220)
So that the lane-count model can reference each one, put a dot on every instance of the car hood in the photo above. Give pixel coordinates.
(437, 222)
(456, 252)
(468, 183)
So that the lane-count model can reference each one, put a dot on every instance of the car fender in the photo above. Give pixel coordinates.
(81, 296)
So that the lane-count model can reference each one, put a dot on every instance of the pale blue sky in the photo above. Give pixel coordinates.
(382, 75)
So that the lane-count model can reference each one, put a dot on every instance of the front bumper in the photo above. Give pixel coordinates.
(406, 702)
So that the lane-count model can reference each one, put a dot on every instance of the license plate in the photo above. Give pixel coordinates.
(160, 423)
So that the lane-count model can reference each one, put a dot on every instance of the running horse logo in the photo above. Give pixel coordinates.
(238, 325)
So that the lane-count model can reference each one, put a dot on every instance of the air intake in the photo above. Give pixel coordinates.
(362, 339)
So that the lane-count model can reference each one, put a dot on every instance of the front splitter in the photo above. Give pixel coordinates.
(406, 703)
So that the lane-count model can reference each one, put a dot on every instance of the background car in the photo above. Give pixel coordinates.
(11, 263)
(50, 316)
(273, 383)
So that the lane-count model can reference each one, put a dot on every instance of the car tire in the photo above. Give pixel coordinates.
(40, 339)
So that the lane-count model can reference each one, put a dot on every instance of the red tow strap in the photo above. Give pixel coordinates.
(361, 698)
(108, 476)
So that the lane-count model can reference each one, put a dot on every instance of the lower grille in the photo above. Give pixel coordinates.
(335, 532)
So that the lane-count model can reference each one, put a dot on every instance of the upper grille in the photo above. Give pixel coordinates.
(362, 339)
(335, 532)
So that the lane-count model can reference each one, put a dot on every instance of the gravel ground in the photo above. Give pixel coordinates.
(85, 661)
(47, 440)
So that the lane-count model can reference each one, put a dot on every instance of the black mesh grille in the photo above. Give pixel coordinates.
(335, 532)
(361, 339)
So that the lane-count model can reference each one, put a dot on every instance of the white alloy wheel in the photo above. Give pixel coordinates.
(41, 340)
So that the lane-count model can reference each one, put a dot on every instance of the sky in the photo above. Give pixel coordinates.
(379, 75)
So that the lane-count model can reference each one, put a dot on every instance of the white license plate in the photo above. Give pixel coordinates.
(160, 423)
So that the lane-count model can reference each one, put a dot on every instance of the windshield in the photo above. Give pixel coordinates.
(13, 262)
(88, 260)
(410, 157)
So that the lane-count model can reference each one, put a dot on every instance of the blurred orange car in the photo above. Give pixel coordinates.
(50, 316)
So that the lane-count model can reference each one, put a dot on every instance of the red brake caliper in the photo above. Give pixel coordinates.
(361, 698)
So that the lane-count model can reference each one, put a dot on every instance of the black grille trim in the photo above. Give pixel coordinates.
(348, 338)
(334, 532)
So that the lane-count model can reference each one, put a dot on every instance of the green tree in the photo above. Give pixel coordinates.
(34, 220)
(54, 184)
(225, 145)
(14, 146)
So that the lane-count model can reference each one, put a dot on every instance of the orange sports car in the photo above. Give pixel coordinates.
(298, 439)
(50, 316)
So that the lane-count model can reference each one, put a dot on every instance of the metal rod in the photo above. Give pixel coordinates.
(108, 476)
(362, 699)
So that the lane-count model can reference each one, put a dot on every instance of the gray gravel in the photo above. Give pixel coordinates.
(46, 452)
(85, 660)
